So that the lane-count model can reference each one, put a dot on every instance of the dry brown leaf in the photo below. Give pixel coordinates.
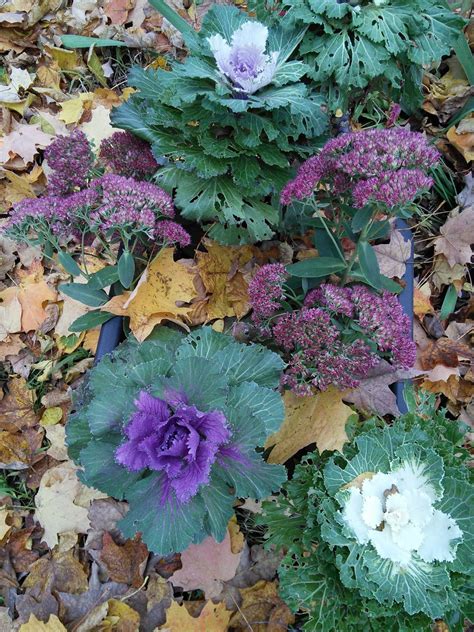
(444, 274)
(319, 419)
(162, 286)
(262, 610)
(118, 10)
(444, 351)
(123, 563)
(62, 503)
(205, 566)
(213, 618)
(456, 389)
(62, 571)
(392, 256)
(17, 406)
(462, 138)
(456, 237)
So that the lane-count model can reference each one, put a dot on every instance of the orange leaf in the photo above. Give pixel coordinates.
(213, 618)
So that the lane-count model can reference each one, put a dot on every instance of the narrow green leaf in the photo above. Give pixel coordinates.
(369, 264)
(90, 321)
(68, 263)
(465, 57)
(81, 41)
(316, 267)
(83, 293)
(126, 269)
(449, 302)
(103, 278)
(173, 18)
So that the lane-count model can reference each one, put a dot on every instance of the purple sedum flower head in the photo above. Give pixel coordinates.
(244, 63)
(182, 443)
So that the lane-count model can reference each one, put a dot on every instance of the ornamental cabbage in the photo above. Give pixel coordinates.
(380, 537)
(171, 426)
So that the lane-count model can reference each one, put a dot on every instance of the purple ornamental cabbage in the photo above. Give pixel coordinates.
(172, 426)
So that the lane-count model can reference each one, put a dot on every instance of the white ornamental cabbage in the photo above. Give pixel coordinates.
(244, 63)
(395, 513)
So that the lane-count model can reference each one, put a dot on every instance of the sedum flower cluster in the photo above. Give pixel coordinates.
(71, 159)
(110, 205)
(386, 167)
(336, 337)
(380, 537)
(179, 448)
(127, 155)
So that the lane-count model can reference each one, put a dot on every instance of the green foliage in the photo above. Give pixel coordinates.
(381, 44)
(227, 156)
(343, 585)
(209, 371)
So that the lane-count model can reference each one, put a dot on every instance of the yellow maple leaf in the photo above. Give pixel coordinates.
(163, 289)
(319, 419)
(53, 624)
(213, 618)
(224, 282)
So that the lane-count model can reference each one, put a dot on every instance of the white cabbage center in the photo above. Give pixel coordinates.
(395, 513)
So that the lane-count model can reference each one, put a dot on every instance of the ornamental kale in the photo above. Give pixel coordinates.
(229, 121)
(383, 45)
(171, 426)
(381, 537)
(336, 337)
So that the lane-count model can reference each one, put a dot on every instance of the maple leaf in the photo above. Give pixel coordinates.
(123, 562)
(62, 571)
(224, 271)
(213, 618)
(24, 141)
(62, 503)
(32, 293)
(319, 419)
(456, 237)
(53, 624)
(163, 285)
(205, 566)
(17, 406)
(392, 256)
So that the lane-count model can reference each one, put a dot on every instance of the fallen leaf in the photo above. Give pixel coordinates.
(123, 562)
(118, 10)
(205, 566)
(213, 618)
(392, 256)
(444, 351)
(73, 109)
(462, 138)
(24, 141)
(319, 419)
(56, 435)
(60, 572)
(62, 503)
(51, 416)
(373, 394)
(456, 389)
(421, 301)
(224, 272)
(162, 286)
(53, 624)
(17, 407)
(120, 618)
(103, 515)
(99, 127)
(261, 610)
(5, 525)
(17, 449)
(76, 607)
(456, 237)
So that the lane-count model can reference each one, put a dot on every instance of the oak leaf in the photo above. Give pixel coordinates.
(392, 256)
(319, 419)
(213, 618)
(163, 285)
(205, 566)
(456, 237)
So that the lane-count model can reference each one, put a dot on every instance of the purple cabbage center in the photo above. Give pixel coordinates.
(175, 439)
